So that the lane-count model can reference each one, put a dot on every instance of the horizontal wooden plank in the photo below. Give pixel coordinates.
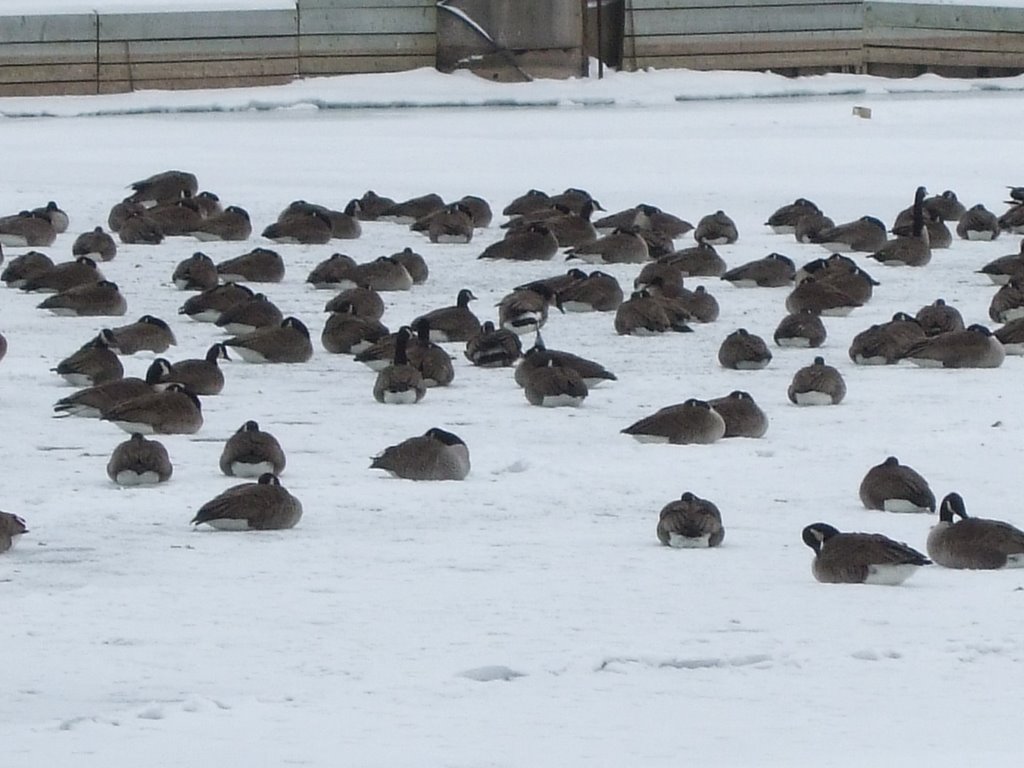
(203, 24)
(963, 18)
(26, 53)
(347, 65)
(947, 58)
(50, 72)
(198, 70)
(361, 45)
(347, 4)
(44, 29)
(125, 86)
(945, 40)
(742, 43)
(711, 21)
(758, 61)
(52, 88)
(319, 21)
(183, 50)
(647, 5)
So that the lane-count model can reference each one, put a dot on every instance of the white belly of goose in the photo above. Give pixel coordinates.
(13, 241)
(1013, 314)
(229, 524)
(1014, 348)
(77, 379)
(925, 362)
(836, 311)
(561, 401)
(577, 306)
(890, 575)
(252, 469)
(132, 427)
(408, 397)
(903, 506)
(453, 239)
(679, 541)
(980, 234)
(876, 360)
(751, 365)
(64, 311)
(239, 329)
(794, 341)
(206, 316)
(783, 229)
(642, 438)
(813, 398)
(131, 478)
(249, 355)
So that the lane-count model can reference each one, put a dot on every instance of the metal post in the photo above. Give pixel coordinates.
(600, 58)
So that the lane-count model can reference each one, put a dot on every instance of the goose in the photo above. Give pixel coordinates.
(209, 203)
(822, 298)
(285, 343)
(163, 187)
(171, 411)
(344, 225)
(261, 506)
(121, 212)
(369, 206)
(435, 455)
(645, 217)
(408, 211)
(886, 343)
(772, 271)
(64, 276)
(524, 310)
(138, 461)
(361, 302)
(556, 284)
(25, 267)
(913, 250)
(743, 417)
(260, 265)
(308, 227)
(783, 221)
(1000, 270)
(716, 229)
(251, 452)
(148, 333)
(690, 523)
(385, 273)
(894, 487)
(454, 323)
(431, 360)
(744, 351)
(196, 273)
(250, 315)
(817, 384)
(12, 528)
(698, 305)
(479, 210)
(493, 347)
(1013, 220)
(535, 242)
(453, 224)
(660, 277)
(177, 218)
(233, 223)
(598, 292)
(95, 244)
(27, 230)
(701, 260)
(693, 421)
(92, 402)
(843, 274)
(139, 228)
(973, 347)
(973, 542)
(860, 558)
(349, 333)
(207, 306)
(93, 363)
(554, 384)
(528, 202)
(622, 246)
(569, 228)
(201, 376)
(55, 215)
(576, 200)
(939, 235)
(978, 223)
(809, 228)
(866, 234)
(642, 314)
(414, 264)
(1011, 336)
(947, 206)
(1008, 302)
(800, 329)
(594, 374)
(334, 271)
(400, 383)
(102, 298)
(939, 317)
(3, 346)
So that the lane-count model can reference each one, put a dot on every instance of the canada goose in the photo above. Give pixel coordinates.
(978, 223)
(91, 402)
(177, 218)
(698, 304)
(196, 273)
(939, 317)
(576, 200)
(171, 411)
(973, 542)
(886, 343)
(569, 228)
(535, 242)
(524, 310)
(52, 212)
(946, 206)
(693, 421)
(309, 227)
(25, 267)
(414, 264)
(98, 299)
(344, 225)
(333, 272)
(147, 333)
(642, 314)
(859, 558)
(362, 302)
(163, 187)
(1013, 220)
(701, 260)
(843, 274)
(120, 212)
(348, 333)
(260, 265)
(455, 323)
(598, 292)
(820, 297)
(1008, 302)
(810, 227)
(554, 384)
(593, 373)
(866, 234)
(431, 360)
(939, 235)
(528, 202)
(913, 250)
(93, 363)
(800, 329)
(894, 487)
(369, 206)
(407, 211)
(646, 218)
(1000, 270)
(209, 203)
(435, 455)
(493, 347)
(772, 271)
(139, 228)
(3, 346)
(138, 461)
(690, 523)
(716, 229)
(1011, 336)
(232, 224)
(622, 246)
(249, 315)
(817, 384)
(661, 278)
(261, 506)
(251, 452)
(12, 528)
(783, 221)
(62, 276)
(206, 307)
(201, 376)
(400, 383)
(26, 230)
(287, 342)
(385, 273)
(379, 354)
(973, 347)
(744, 351)
(453, 224)
(558, 283)
(95, 244)
(743, 417)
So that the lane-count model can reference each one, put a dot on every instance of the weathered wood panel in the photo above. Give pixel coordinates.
(46, 29)
(951, 17)
(788, 18)
(367, 21)
(303, 5)
(199, 25)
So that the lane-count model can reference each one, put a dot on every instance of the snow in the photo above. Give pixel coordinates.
(526, 616)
